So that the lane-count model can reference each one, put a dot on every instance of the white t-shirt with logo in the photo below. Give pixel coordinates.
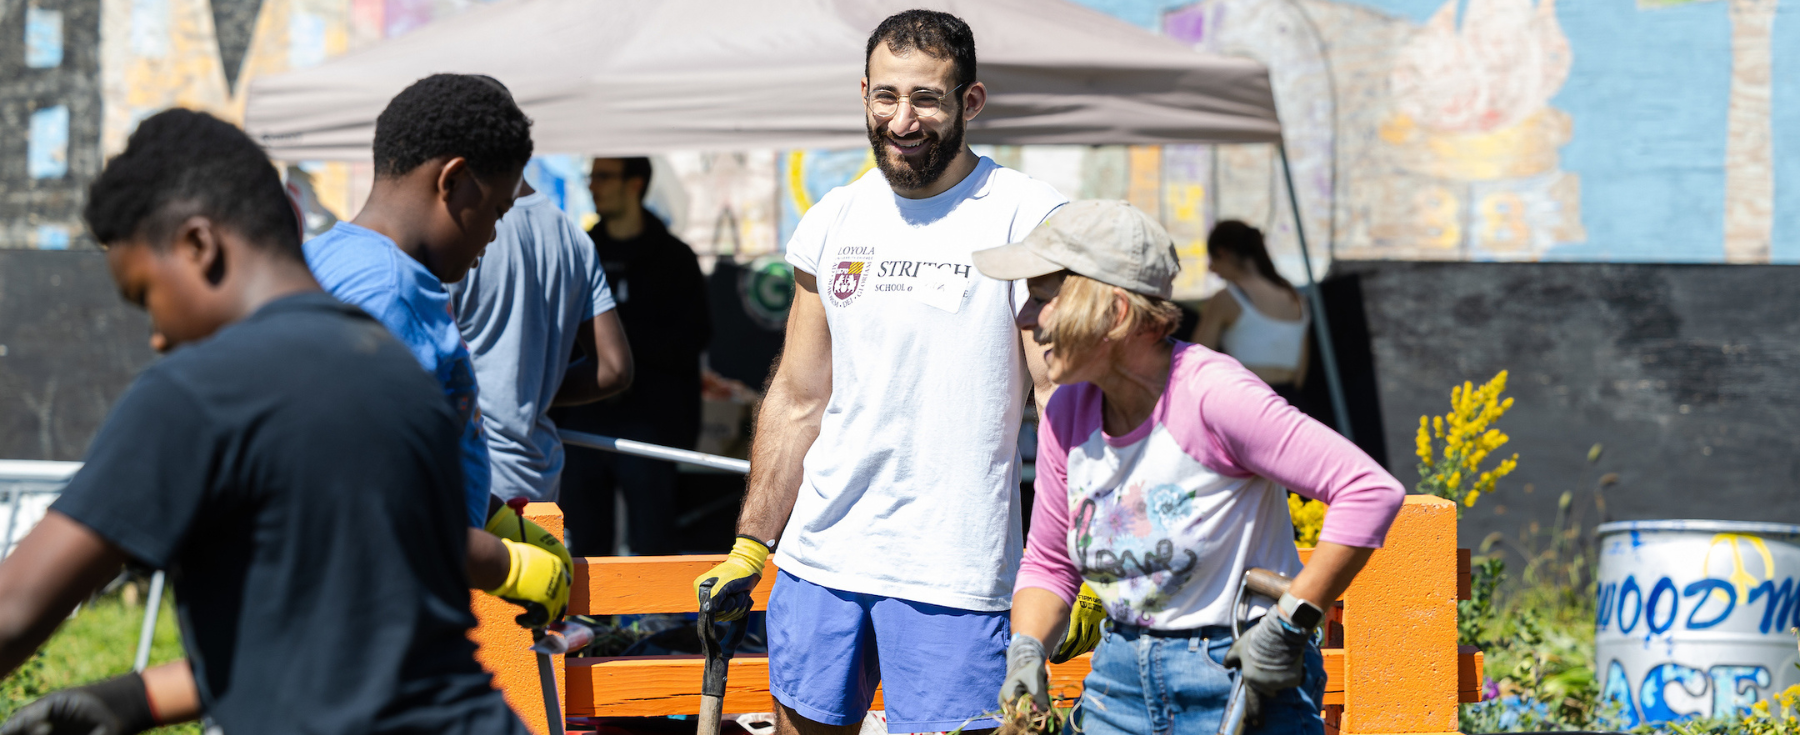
(912, 488)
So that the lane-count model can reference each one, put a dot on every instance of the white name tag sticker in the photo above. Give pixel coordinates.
(942, 287)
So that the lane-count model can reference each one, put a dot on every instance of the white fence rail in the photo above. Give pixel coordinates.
(27, 488)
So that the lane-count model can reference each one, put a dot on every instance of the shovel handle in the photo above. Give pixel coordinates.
(1266, 583)
(712, 709)
(1236, 708)
(718, 662)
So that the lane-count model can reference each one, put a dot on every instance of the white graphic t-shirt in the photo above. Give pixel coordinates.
(912, 488)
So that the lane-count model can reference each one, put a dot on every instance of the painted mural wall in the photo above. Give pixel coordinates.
(1610, 130)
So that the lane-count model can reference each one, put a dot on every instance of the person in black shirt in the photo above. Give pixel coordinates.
(288, 463)
(661, 294)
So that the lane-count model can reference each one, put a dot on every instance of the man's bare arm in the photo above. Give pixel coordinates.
(788, 422)
(606, 367)
(53, 569)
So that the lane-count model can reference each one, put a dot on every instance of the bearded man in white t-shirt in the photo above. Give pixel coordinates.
(885, 471)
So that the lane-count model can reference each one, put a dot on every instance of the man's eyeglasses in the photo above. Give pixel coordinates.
(885, 104)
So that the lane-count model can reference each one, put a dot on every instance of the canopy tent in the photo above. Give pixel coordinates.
(627, 77)
(633, 77)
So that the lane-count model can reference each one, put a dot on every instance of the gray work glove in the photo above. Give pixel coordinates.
(1025, 673)
(1271, 656)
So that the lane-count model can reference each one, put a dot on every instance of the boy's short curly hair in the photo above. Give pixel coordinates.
(181, 163)
(467, 115)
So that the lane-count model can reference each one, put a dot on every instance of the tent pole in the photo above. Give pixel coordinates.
(1321, 329)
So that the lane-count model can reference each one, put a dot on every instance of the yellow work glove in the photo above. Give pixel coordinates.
(1085, 621)
(538, 581)
(724, 590)
(506, 523)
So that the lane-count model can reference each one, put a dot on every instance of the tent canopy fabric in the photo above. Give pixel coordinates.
(627, 77)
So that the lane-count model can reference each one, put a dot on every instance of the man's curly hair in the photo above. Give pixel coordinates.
(940, 35)
(465, 115)
(181, 163)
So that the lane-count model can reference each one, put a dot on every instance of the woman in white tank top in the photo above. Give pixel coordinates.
(1259, 318)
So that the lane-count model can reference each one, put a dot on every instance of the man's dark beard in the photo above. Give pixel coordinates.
(931, 166)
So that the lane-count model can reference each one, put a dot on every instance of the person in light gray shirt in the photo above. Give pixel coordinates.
(537, 292)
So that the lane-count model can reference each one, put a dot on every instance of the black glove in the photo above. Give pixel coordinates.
(116, 706)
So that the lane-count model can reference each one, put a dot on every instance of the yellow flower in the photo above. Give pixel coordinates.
(1469, 441)
(1309, 519)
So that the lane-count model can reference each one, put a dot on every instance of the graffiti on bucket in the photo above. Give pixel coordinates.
(1709, 601)
(1732, 688)
(1674, 644)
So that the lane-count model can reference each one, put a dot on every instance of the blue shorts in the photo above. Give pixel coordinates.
(940, 667)
(1178, 684)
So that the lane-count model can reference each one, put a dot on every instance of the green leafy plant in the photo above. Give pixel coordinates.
(1537, 634)
(1485, 575)
(24, 685)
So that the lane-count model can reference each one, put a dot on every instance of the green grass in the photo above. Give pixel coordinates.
(100, 641)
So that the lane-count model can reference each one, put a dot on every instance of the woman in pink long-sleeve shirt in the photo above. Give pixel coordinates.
(1161, 470)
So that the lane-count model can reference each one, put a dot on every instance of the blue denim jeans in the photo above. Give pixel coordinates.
(1176, 684)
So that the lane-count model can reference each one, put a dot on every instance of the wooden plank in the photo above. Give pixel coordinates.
(636, 585)
(1469, 673)
(1462, 575)
(1334, 676)
(652, 686)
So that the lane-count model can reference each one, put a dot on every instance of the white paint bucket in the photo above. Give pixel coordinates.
(1693, 616)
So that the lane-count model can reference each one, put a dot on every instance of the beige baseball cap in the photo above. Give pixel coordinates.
(1107, 240)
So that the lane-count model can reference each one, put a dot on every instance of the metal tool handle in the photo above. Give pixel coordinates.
(1265, 583)
(552, 707)
(1236, 708)
(718, 662)
(654, 451)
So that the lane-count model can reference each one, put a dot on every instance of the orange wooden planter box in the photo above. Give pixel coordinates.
(1392, 662)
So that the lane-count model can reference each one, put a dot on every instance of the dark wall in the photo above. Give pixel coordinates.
(68, 348)
(1688, 375)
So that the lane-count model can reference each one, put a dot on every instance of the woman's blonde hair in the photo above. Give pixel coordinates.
(1086, 314)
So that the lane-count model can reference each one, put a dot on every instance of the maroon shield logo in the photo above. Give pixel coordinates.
(846, 280)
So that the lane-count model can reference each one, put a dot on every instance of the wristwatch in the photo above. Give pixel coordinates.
(1302, 614)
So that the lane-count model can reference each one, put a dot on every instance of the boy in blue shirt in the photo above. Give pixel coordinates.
(449, 154)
